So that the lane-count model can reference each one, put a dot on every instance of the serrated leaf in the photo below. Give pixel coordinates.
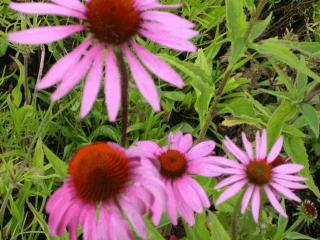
(295, 148)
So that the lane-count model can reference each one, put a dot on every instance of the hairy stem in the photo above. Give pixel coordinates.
(124, 96)
(218, 94)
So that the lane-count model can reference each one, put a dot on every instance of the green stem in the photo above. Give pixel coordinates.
(234, 220)
(295, 225)
(124, 96)
(218, 94)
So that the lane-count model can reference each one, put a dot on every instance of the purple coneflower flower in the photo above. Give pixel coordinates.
(105, 180)
(112, 26)
(176, 164)
(260, 171)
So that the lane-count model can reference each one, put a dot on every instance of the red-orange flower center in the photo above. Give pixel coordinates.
(279, 161)
(99, 172)
(259, 172)
(172, 164)
(113, 21)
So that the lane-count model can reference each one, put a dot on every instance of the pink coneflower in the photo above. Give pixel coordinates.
(262, 171)
(176, 164)
(112, 26)
(105, 180)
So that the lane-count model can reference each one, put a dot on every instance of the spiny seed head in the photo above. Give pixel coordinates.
(113, 21)
(99, 172)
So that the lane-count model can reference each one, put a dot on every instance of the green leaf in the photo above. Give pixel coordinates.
(236, 19)
(283, 113)
(58, 165)
(38, 154)
(311, 115)
(200, 227)
(16, 92)
(273, 48)
(295, 148)
(216, 228)
(259, 27)
(298, 236)
(3, 46)
(153, 232)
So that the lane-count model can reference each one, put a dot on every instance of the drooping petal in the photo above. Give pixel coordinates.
(275, 150)
(289, 184)
(92, 84)
(226, 162)
(255, 203)
(58, 70)
(246, 198)
(287, 168)
(258, 144)
(200, 150)
(167, 18)
(46, 8)
(199, 190)
(73, 4)
(234, 150)
(247, 145)
(76, 74)
(289, 177)
(231, 191)
(175, 44)
(143, 80)
(229, 180)
(285, 191)
(274, 202)
(185, 143)
(42, 35)
(112, 87)
(160, 68)
(189, 195)
(171, 204)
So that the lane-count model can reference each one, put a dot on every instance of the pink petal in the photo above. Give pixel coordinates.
(201, 150)
(199, 190)
(247, 145)
(135, 218)
(185, 143)
(185, 211)
(263, 145)
(229, 180)
(144, 148)
(76, 74)
(189, 195)
(112, 86)
(231, 191)
(289, 177)
(174, 137)
(167, 18)
(287, 168)
(258, 144)
(45, 8)
(92, 84)
(42, 35)
(285, 191)
(171, 204)
(288, 184)
(175, 44)
(275, 150)
(58, 70)
(160, 68)
(160, 6)
(274, 202)
(246, 198)
(73, 4)
(144, 82)
(234, 150)
(226, 162)
(255, 204)
(206, 170)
